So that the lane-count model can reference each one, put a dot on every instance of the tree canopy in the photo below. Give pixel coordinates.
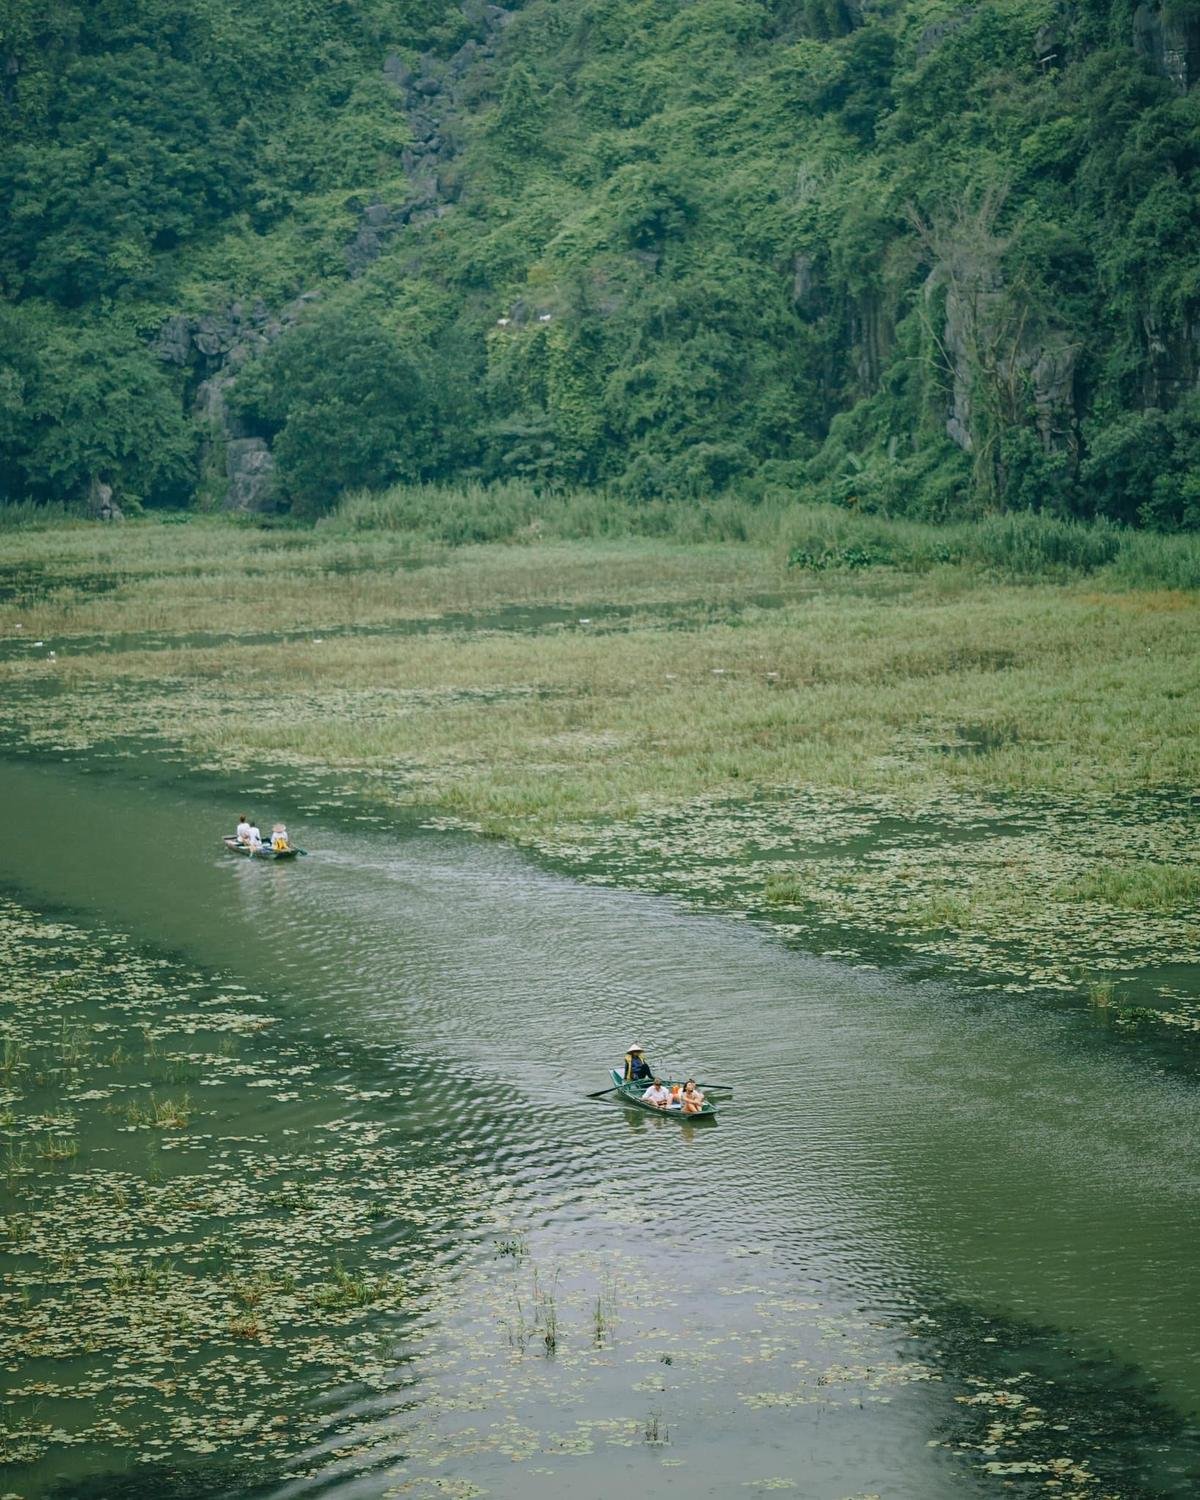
(925, 257)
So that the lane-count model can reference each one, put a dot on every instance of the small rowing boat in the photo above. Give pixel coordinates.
(265, 852)
(631, 1093)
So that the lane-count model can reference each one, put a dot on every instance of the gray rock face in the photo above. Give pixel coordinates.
(214, 336)
(173, 343)
(1053, 379)
(979, 329)
(429, 96)
(216, 345)
(1050, 46)
(937, 31)
(802, 278)
(1170, 41)
(1172, 367)
(250, 470)
(396, 71)
(101, 504)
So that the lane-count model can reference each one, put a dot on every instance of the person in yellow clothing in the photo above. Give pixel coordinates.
(637, 1069)
(279, 839)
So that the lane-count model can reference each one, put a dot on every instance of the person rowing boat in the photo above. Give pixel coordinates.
(637, 1069)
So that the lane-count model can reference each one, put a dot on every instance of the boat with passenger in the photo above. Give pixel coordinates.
(635, 1091)
(259, 851)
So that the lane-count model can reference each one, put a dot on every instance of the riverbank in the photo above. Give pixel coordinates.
(930, 763)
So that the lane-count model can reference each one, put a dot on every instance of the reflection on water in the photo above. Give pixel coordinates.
(889, 1153)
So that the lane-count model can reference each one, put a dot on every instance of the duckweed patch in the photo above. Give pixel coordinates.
(1033, 1409)
(190, 1300)
(983, 888)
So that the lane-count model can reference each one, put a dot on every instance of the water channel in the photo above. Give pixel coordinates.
(915, 1194)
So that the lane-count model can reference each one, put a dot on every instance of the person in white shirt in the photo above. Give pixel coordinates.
(243, 828)
(657, 1095)
(279, 838)
(254, 837)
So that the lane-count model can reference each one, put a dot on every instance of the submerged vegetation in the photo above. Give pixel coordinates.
(168, 1298)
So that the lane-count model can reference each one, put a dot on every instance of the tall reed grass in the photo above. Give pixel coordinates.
(1023, 545)
(27, 515)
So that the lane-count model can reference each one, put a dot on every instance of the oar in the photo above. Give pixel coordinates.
(600, 1093)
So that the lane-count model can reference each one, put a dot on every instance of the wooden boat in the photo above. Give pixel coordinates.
(631, 1093)
(265, 852)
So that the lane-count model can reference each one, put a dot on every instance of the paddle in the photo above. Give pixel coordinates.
(600, 1093)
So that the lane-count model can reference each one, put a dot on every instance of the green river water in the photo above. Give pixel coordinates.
(938, 1243)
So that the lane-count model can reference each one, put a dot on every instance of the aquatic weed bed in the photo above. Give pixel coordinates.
(1000, 893)
(939, 771)
(202, 1224)
(1087, 898)
(236, 1257)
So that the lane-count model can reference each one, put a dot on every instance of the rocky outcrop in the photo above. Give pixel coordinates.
(996, 356)
(937, 31)
(379, 223)
(214, 346)
(433, 95)
(1052, 386)
(1172, 367)
(1169, 38)
(872, 334)
(802, 278)
(212, 336)
(101, 505)
(250, 472)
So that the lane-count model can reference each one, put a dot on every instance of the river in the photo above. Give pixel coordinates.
(914, 1195)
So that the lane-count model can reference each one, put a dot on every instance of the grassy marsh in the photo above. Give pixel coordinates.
(902, 673)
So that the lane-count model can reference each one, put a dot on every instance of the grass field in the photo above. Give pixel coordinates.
(553, 690)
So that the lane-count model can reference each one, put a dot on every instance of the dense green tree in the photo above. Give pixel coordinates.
(919, 257)
(345, 405)
(77, 406)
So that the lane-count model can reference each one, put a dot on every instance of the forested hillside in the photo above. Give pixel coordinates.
(927, 257)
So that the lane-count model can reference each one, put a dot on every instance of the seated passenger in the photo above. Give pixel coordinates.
(693, 1099)
(657, 1094)
(254, 837)
(243, 828)
(637, 1069)
(279, 838)
(676, 1101)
